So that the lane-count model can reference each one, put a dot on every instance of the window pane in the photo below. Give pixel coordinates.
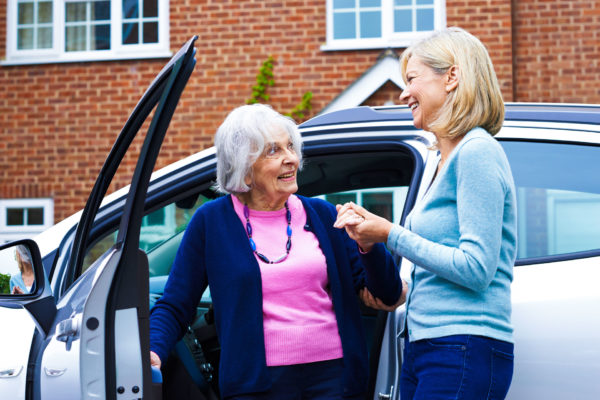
(150, 8)
(101, 11)
(130, 34)
(45, 12)
(25, 13)
(341, 198)
(100, 39)
(370, 3)
(44, 38)
(425, 20)
(403, 2)
(403, 21)
(424, 2)
(75, 38)
(35, 216)
(558, 197)
(155, 218)
(76, 12)
(343, 4)
(370, 24)
(15, 216)
(344, 26)
(25, 38)
(130, 9)
(380, 204)
(150, 32)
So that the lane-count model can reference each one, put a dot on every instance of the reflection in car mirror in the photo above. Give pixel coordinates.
(23, 283)
(17, 275)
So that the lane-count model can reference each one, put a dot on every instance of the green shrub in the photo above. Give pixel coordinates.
(4, 283)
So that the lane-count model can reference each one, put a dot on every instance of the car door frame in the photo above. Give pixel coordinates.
(126, 260)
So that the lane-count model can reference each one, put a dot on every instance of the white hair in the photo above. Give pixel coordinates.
(243, 137)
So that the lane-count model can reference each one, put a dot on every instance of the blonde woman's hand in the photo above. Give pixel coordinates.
(361, 225)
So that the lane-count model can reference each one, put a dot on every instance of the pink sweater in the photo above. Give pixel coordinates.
(298, 318)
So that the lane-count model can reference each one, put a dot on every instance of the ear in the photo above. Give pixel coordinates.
(452, 78)
(248, 179)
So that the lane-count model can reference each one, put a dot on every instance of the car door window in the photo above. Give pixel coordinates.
(558, 197)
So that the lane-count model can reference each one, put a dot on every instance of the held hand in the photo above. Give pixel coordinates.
(362, 226)
(373, 302)
(17, 290)
(154, 360)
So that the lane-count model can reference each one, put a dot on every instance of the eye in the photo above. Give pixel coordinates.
(272, 149)
(290, 147)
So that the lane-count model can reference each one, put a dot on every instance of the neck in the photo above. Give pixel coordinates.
(445, 146)
(261, 204)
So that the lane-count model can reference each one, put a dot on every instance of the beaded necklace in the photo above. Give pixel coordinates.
(288, 246)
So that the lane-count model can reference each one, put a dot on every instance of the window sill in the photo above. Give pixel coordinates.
(87, 57)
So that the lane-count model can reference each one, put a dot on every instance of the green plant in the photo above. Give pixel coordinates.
(264, 79)
(4, 283)
(298, 112)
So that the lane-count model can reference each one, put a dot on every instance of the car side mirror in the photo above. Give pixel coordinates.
(23, 282)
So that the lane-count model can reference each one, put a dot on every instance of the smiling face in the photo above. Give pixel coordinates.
(425, 92)
(273, 176)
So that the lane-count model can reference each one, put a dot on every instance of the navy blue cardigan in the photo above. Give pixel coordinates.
(215, 250)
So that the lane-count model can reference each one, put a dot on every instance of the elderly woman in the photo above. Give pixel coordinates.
(283, 280)
(461, 235)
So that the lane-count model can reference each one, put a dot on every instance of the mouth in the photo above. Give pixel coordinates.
(413, 106)
(288, 175)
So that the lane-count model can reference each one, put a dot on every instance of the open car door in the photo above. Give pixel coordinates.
(94, 344)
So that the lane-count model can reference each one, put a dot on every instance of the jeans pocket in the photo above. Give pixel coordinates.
(502, 372)
(455, 342)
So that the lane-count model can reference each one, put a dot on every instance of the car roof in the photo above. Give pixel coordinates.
(541, 112)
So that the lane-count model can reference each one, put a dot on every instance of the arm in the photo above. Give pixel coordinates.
(479, 206)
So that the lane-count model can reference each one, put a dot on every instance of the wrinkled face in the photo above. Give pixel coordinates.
(273, 177)
(425, 92)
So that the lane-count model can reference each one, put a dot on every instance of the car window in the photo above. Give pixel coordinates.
(160, 227)
(558, 197)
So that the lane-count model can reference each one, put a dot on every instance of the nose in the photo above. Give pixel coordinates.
(290, 156)
(404, 96)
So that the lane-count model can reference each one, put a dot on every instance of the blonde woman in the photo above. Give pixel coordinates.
(461, 235)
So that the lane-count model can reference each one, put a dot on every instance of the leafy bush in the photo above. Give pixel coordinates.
(4, 283)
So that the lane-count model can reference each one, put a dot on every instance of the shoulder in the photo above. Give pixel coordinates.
(479, 147)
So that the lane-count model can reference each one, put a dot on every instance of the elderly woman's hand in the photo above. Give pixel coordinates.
(154, 360)
(371, 301)
(362, 226)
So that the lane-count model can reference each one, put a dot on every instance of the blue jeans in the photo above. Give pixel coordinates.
(312, 381)
(456, 367)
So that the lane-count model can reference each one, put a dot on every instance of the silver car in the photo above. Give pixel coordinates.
(79, 330)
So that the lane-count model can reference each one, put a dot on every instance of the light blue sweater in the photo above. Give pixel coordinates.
(461, 237)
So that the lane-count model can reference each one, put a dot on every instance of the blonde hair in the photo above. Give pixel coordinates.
(477, 100)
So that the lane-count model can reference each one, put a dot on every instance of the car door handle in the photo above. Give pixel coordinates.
(54, 371)
(11, 372)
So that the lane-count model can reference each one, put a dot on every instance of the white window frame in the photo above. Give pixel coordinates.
(57, 53)
(388, 39)
(11, 232)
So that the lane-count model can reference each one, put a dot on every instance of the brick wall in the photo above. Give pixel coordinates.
(58, 121)
(557, 50)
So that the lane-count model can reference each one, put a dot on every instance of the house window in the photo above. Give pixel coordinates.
(44, 31)
(23, 218)
(366, 24)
